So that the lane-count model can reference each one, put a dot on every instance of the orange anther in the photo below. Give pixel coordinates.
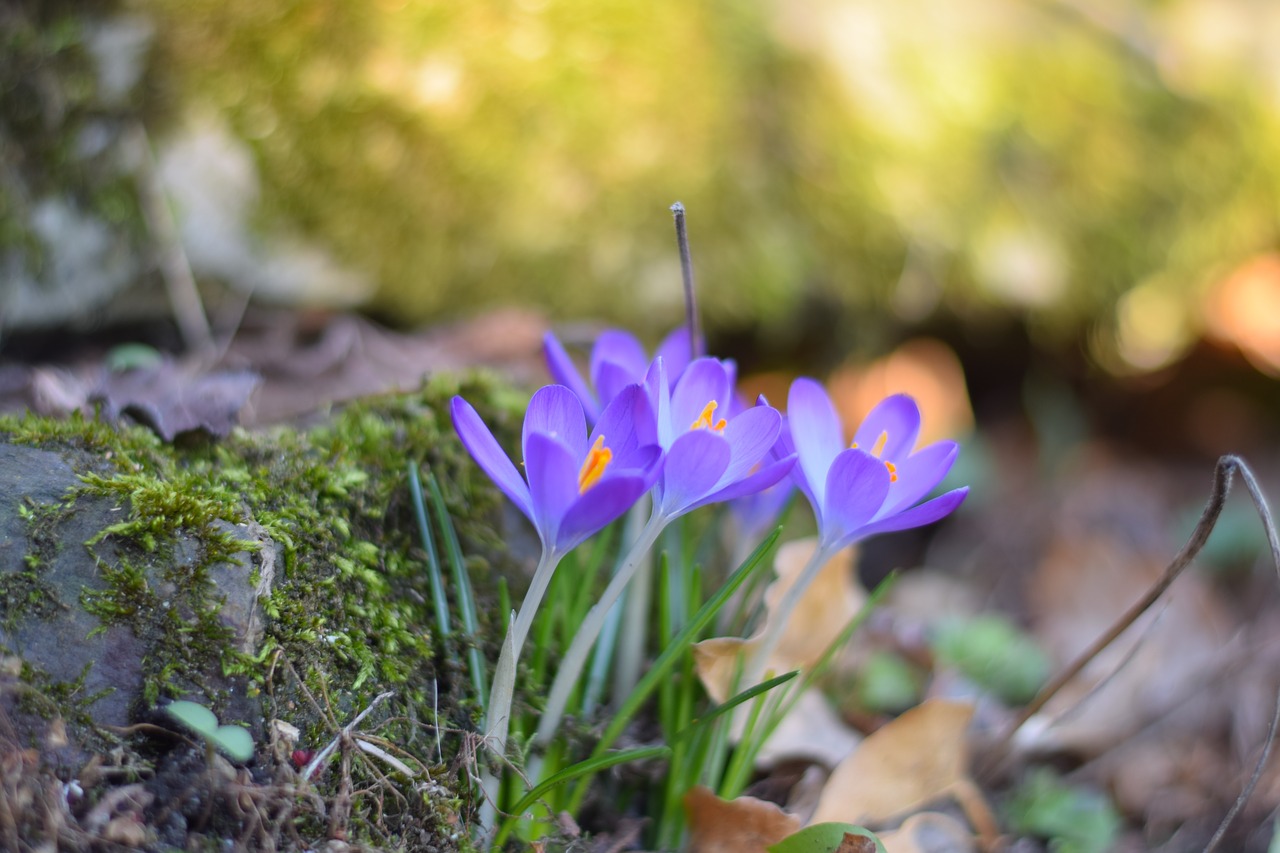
(706, 419)
(893, 472)
(598, 458)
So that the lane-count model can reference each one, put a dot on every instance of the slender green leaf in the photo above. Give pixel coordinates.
(438, 600)
(590, 766)
(466, 600)
(745, 696)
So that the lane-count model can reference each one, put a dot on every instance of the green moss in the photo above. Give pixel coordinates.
(349, 610)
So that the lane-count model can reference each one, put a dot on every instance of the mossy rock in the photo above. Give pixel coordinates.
(275, 577)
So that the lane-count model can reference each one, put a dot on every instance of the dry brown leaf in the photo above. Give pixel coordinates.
(826, 608)
(1087, 579)
(812, 730)
(929, 832)
(742, 825)
(916, 758)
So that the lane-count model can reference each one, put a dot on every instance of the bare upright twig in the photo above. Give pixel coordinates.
(686, 270)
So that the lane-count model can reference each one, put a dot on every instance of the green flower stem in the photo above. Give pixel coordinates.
(576, 657)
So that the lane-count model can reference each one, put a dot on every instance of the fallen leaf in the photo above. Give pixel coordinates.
(828, 604)
(173, 400)
(812, 730)
(742, 825)
(918, 757)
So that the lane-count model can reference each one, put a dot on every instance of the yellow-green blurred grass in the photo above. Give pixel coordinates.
(893, 159)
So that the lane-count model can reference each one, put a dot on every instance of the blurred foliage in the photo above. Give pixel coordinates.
(991, 651)
(1073, 819)
(56, 127)
(978, 159)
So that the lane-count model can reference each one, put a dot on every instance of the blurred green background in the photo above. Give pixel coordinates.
(1095, 170)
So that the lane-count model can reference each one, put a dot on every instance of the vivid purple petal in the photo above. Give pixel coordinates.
(918, 474)
(676, 351)
(553, 483)
(918, 516)
(898, 417)
(484, 448)
(601, 504)
(565, 372)
(611, 378)
(750, 435)
(622, 352)
(769, 475)
(703, 381)
(626, 424)
(555, 411)
(857, 485)
(816, 434)
(695, 462)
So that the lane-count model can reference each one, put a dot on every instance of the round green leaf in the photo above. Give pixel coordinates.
(822, 838)
(194, 716)
(234, 741)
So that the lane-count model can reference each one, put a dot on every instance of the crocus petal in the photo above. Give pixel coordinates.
(750, 435)
(484, 448)
(918, 474)
(602, 503)
(703, 381)
(565, 373)
(857, 485)
(898, 417)
(553, 483)
(611, 378)
(695, 462)
(769, 475)
(918, 516)
(816, 434)
(555, 411)
(676, 351)
(621, 350)
(627, 425)
(655, 383)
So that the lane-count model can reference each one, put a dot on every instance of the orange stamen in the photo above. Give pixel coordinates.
(705, 420)
(880, 443)
(893, 472)
(598, 458)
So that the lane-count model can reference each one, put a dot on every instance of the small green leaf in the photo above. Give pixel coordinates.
(822, 838)
(194, 716)
(234, 741)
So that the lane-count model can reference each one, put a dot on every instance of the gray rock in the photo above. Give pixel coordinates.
(47, 573)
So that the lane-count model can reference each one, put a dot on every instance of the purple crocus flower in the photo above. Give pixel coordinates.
(873, 485)
(713, 454)
(617, 360)
(577, 483)
(710, 456)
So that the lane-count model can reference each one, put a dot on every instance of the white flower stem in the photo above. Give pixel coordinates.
(497, 720)
(576, 656)
(778, 619)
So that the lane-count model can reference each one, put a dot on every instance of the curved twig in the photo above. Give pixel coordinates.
(1225, 471)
